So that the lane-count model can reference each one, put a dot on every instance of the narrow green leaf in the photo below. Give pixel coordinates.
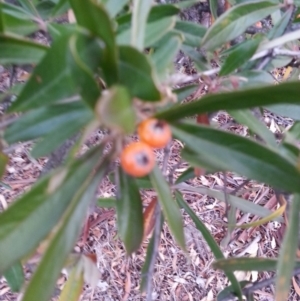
(254, 78)
(287, 110)
(197, 57)
(51, 80)
(255, 125)
(186, 3)
(240, 154)
(40, 209)
(192, 32)
(204, 160)
(246, 264)
(163, 57)
(73, 287)
(145, 275)
(140, 12)
(186, 175)
(44, 279)
(106, 202)
(227, 292)
(287, 255)
(210, 241)
(129, 213)
(95, 18)
(29, 7)
(15, 277)
(1, 22)
(45, 121)
(280, 27)
(169, 207)
(157, 30)
(60, 8)
(184, 92)
(239, 56)
(248, 98)
(115, 110)
(213, 5)
(3, 162)
(114, 7)
(240, 203)
(16, 20)
(84, 63)
(136, 74)
(16, 50)
(235, 21)
(159, 22)
(161, 11)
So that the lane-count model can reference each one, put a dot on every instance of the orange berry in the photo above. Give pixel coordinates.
(137, 159)
(156, 133)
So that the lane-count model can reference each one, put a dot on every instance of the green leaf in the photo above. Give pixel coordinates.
(287, 255)
(227, 292)
(28, 6)
(40, 209)
(287, 110)
(85, 59)
(184, 92)
(239, 56)
(192, 32)
(60, 8)
(73, 287)
(44, 279)
(213, 5)
(145, 275)
(106, 202)
(280, 27)
(198, 58)
(58, 30)
(95, 18)
(17, 20)
(115, 110)
(129, 213)
(15, 50)
(210, 241)
(163, 57)
(240, 154)
(205, 160)
(161, 11)
(51, 80)
(235, 21)
(186, 3)
(186, 175)
(114, 7)
(140, 11)
(240, 203)
(3, 162)
(47, 121)
(155, 31)
(248, 98)
(254, 78)
(247, 264)
(1, 22)
(246, 117)
(136, 74)
(15, 277)
(169, 207)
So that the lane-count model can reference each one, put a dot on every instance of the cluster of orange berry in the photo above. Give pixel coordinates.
(137, 158)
